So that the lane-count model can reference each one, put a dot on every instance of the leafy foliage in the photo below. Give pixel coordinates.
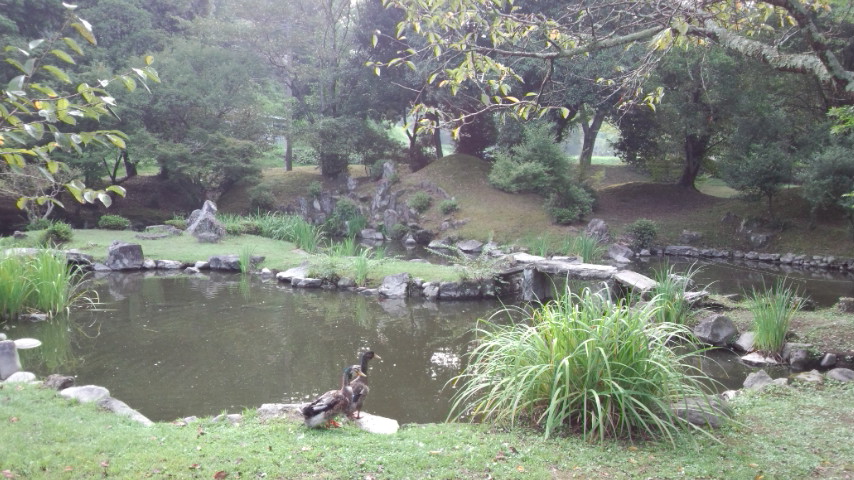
(56, 234)
(448, 206)
(642, 232)
(113, 222)
(420, 202)
(772, 311)
(43, 111)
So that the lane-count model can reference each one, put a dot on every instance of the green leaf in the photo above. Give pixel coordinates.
(57, 73)
(73, 45)
(16, 83)
(52, 166)
(35, 130)
(118, 190)
(117, 141)
(149, 59)
(29, 65)
(374, 40)
(44, 89)
(130, 83)
(564, 112)
(75, 191)
(21, 203)
(84, 29)
(89, 196)
(35, 43)
(63, 56)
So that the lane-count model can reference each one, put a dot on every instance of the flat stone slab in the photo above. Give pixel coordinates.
(291, 273)
(21, 377)
(635, 281)
(86, 393)
(377, 424)
(757, 358)
(121, 408)
(522, 257)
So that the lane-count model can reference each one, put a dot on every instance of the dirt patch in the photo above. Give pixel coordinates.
(627, 202)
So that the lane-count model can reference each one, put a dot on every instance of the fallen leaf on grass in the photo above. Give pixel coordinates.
(8, 474)
(105, 464)
(69, 469)
(220, 475)
(195, 466)
(500, 457)
(520, 468)
(13, 419)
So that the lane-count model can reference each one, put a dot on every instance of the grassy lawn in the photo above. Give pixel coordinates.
(48, 437)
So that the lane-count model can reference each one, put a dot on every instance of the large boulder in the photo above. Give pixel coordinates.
(717, 330)
(620, 253)
(598, 229)
(10, 362)
(203, 224)
(841, 375)
(225, 262)
(124, 256)
(703, 411)
(395, 286)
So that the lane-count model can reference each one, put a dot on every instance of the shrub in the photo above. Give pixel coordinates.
(569, 204)
(581, 362)
(398, 231)
(536, 165)
(356, 224)
(420, 202)
(643, 233)
(56, 234)
(113, 222)
(179, 223)
(315, 188)
(261, 197)
(345, 210)
(38, 224)
(448, 206)
(828, 177)
(772, 311)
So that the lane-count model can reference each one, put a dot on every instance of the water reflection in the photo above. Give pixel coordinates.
(823, 286)
(197, 345)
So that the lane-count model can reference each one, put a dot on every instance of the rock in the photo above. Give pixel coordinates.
(841, 375)
(459, 290)
(759, 240)
(729, 395)
(376, 424)
(10, 362)
(371, 234)
(232, 418)
(168, 264)
(744, 342)
(295, 272)
(229, 263)
(789, 349)
(395, 286)
(85, 393)
(810, 377)
(716, 329)
(522, 257)
(346, 282)
(192, 270)
(121, 408)
(758, 380)
(620, 253)
(681, 250)
(470, 246)
(598, 229)
(845, 305)
(703, 411)
(124, 256)
(21, 377)
(59, 382)
(828, 360)
(204, 225)
(756, 358)
(634, 281)
(168, 230)
(18, 235)
(430, 290)
(74, 257)
(33, 317)
(269, 411)
(306, 282)
(202, 265)
(799, 359)
(149, 264)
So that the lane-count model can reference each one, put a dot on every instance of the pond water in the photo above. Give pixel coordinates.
(174, 346)
(171, 347)
(822, 286)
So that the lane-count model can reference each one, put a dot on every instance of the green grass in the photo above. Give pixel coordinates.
(772, 310)
(48, 437)
(41, 282)
(581, 364)
(668, 294)
(588, 248)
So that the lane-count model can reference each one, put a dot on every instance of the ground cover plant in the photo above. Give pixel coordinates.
(581, 363)
(42, 282)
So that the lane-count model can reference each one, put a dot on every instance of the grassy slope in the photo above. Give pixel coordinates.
(47, 437)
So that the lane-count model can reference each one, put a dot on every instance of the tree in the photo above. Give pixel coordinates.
(481, 42)
(43, 112)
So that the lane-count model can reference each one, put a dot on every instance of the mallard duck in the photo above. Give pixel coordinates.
(332, 403)
(360, 386)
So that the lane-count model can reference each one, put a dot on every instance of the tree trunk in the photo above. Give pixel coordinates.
(695, 151)
(130, 167)
(289, 154)
(585, 159)
(437, 143)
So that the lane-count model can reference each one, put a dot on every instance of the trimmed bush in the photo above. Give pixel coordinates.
(38, 224)
(643, 233)
(113, 222)
(448, 206)
(57, 234)
(178, 223)
(420, 202)
(569, 204)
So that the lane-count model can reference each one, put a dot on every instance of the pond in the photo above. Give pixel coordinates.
(176, 346)
(822, 286)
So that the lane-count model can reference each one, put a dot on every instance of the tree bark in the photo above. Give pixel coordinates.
(437, 143)
(591, 131)
(289, 153)
(695, 150)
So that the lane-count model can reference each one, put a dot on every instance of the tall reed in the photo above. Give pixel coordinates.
(15, 286)
(773, 310)
(581, 363)
(669, 293)
(42, 282)
(588, 248)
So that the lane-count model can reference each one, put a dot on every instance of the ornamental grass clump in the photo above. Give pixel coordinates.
(581, 363)
(669, 294)
(42, 282)
(772, 310)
